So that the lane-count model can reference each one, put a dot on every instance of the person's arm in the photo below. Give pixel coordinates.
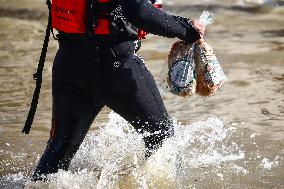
(142, 14)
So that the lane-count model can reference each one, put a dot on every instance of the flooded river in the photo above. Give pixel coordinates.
(233, 139)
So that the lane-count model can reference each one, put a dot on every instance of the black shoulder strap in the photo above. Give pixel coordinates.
(90, 18)
(38, 75)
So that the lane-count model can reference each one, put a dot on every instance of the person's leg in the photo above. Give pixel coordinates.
(73, 113)
(131, 92)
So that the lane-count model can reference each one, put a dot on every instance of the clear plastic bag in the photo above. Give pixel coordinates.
(209, 74)
(181, 69)
(207, 18)
(192, 68)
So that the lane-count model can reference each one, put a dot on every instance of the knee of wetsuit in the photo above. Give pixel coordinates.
(164, 128)
(155, 139)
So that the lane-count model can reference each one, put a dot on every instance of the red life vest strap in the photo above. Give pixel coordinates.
(102, 10)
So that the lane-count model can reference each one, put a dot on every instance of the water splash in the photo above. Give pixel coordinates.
(205, 153)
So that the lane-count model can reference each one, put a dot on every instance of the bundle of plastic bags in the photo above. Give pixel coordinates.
(193, 68)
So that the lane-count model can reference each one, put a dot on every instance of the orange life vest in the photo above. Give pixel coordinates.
(70, 16)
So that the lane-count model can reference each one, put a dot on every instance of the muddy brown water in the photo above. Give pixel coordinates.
(248, 38)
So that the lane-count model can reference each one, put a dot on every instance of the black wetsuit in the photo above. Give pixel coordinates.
(87, 77)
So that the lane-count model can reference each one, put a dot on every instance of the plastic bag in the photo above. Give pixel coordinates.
(181, 74)
(192, 68)
(209, 74)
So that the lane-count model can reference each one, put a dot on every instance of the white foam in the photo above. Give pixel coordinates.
(268, 164)
(113, 157)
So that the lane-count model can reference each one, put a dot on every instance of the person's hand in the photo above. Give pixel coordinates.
(199, 27)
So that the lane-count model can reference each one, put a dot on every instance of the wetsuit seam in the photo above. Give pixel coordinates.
(147, 84)
(167, 25)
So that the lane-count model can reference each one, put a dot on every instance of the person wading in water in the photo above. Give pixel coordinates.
(96, 65)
